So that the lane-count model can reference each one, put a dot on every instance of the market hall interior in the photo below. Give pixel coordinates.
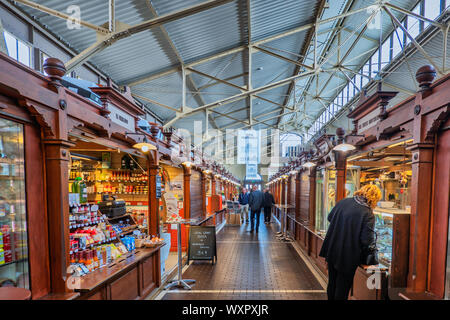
(129, 129)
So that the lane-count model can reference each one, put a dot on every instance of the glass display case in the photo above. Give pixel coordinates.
(352, 181)
(392, 223)
(325, 197)
(13, 220)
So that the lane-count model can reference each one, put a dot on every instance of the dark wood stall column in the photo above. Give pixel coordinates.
(204, 181)
(187, 191)
(421, 189)
(312, 198)
(440, 209)
(56, 162)
(298, 178)
(153, 211)
(213, 185)
(283, 190)
(56, 149)
(422, 185)
(341, 174)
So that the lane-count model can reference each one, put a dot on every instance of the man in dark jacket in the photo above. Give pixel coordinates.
(243, 202)
(350, 233)
(256, 202)
(268, 202)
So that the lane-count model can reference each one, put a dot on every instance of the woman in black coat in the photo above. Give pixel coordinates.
(350, 233)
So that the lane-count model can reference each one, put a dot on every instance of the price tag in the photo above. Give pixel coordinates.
(174, 226)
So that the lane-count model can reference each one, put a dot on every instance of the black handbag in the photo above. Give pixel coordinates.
(370, 254)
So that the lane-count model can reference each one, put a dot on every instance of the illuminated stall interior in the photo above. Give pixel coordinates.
(171, 207)
(108, 198)
(13, 226)
(390, 169)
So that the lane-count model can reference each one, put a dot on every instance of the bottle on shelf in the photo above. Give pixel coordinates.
(76, 185)
(125, 162)
(83, 190)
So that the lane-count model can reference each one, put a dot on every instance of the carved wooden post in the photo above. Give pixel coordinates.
(187, 192)
(288, 188)
(204, 181)
(297, 194)
(341, 167)
(312, 197)
(57, 182)
(153, 202)
(213, 184)
(283, 190)
(421, 187)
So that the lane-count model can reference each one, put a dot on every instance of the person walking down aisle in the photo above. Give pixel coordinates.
(350, 240)
(243, 201)
(255, 201)
(268, 202)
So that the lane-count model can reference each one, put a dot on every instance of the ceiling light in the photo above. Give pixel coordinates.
(144, 146)
(309, 164)
(187, 164)
(344, 147)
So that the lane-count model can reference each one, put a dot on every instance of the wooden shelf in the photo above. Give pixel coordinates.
(118, 181)
(14, 261)
(98, 277)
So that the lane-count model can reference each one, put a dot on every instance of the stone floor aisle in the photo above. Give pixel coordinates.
(252, 266)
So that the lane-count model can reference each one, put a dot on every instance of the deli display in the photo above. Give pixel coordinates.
(325, 197)
(13, 216)
(389, 168)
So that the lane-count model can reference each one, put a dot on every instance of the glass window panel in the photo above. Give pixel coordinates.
(11, 45)
(24, 53)
(385, 52)
(397, 41)
(374, 62)
(413, 24)
(13, 227)
(351, 90)
(365, 71)
(432, 10)
(358, 81)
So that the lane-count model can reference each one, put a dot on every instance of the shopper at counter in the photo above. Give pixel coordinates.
(349, 237)
(243, 202)
(255, 202)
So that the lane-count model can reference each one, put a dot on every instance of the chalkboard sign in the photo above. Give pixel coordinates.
(202, 243)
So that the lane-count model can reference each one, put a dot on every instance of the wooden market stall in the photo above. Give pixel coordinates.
(75, 154)
(404, 149)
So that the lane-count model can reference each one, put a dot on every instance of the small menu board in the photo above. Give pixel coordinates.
(202, 243)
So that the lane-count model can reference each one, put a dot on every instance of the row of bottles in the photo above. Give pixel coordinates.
(120, 189)
(108, 175)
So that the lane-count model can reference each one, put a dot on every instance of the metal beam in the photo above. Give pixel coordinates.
(413, 40)
(112, 16)
(226, 79)
(217, 79)
(61, 15)
(184, 75)
(283, 58)
(413, 14)
(155, 75)
(239, 96)
(115, 36)
(155, 102)
(304, 51)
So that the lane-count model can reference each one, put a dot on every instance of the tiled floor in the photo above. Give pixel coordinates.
(252, 266)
